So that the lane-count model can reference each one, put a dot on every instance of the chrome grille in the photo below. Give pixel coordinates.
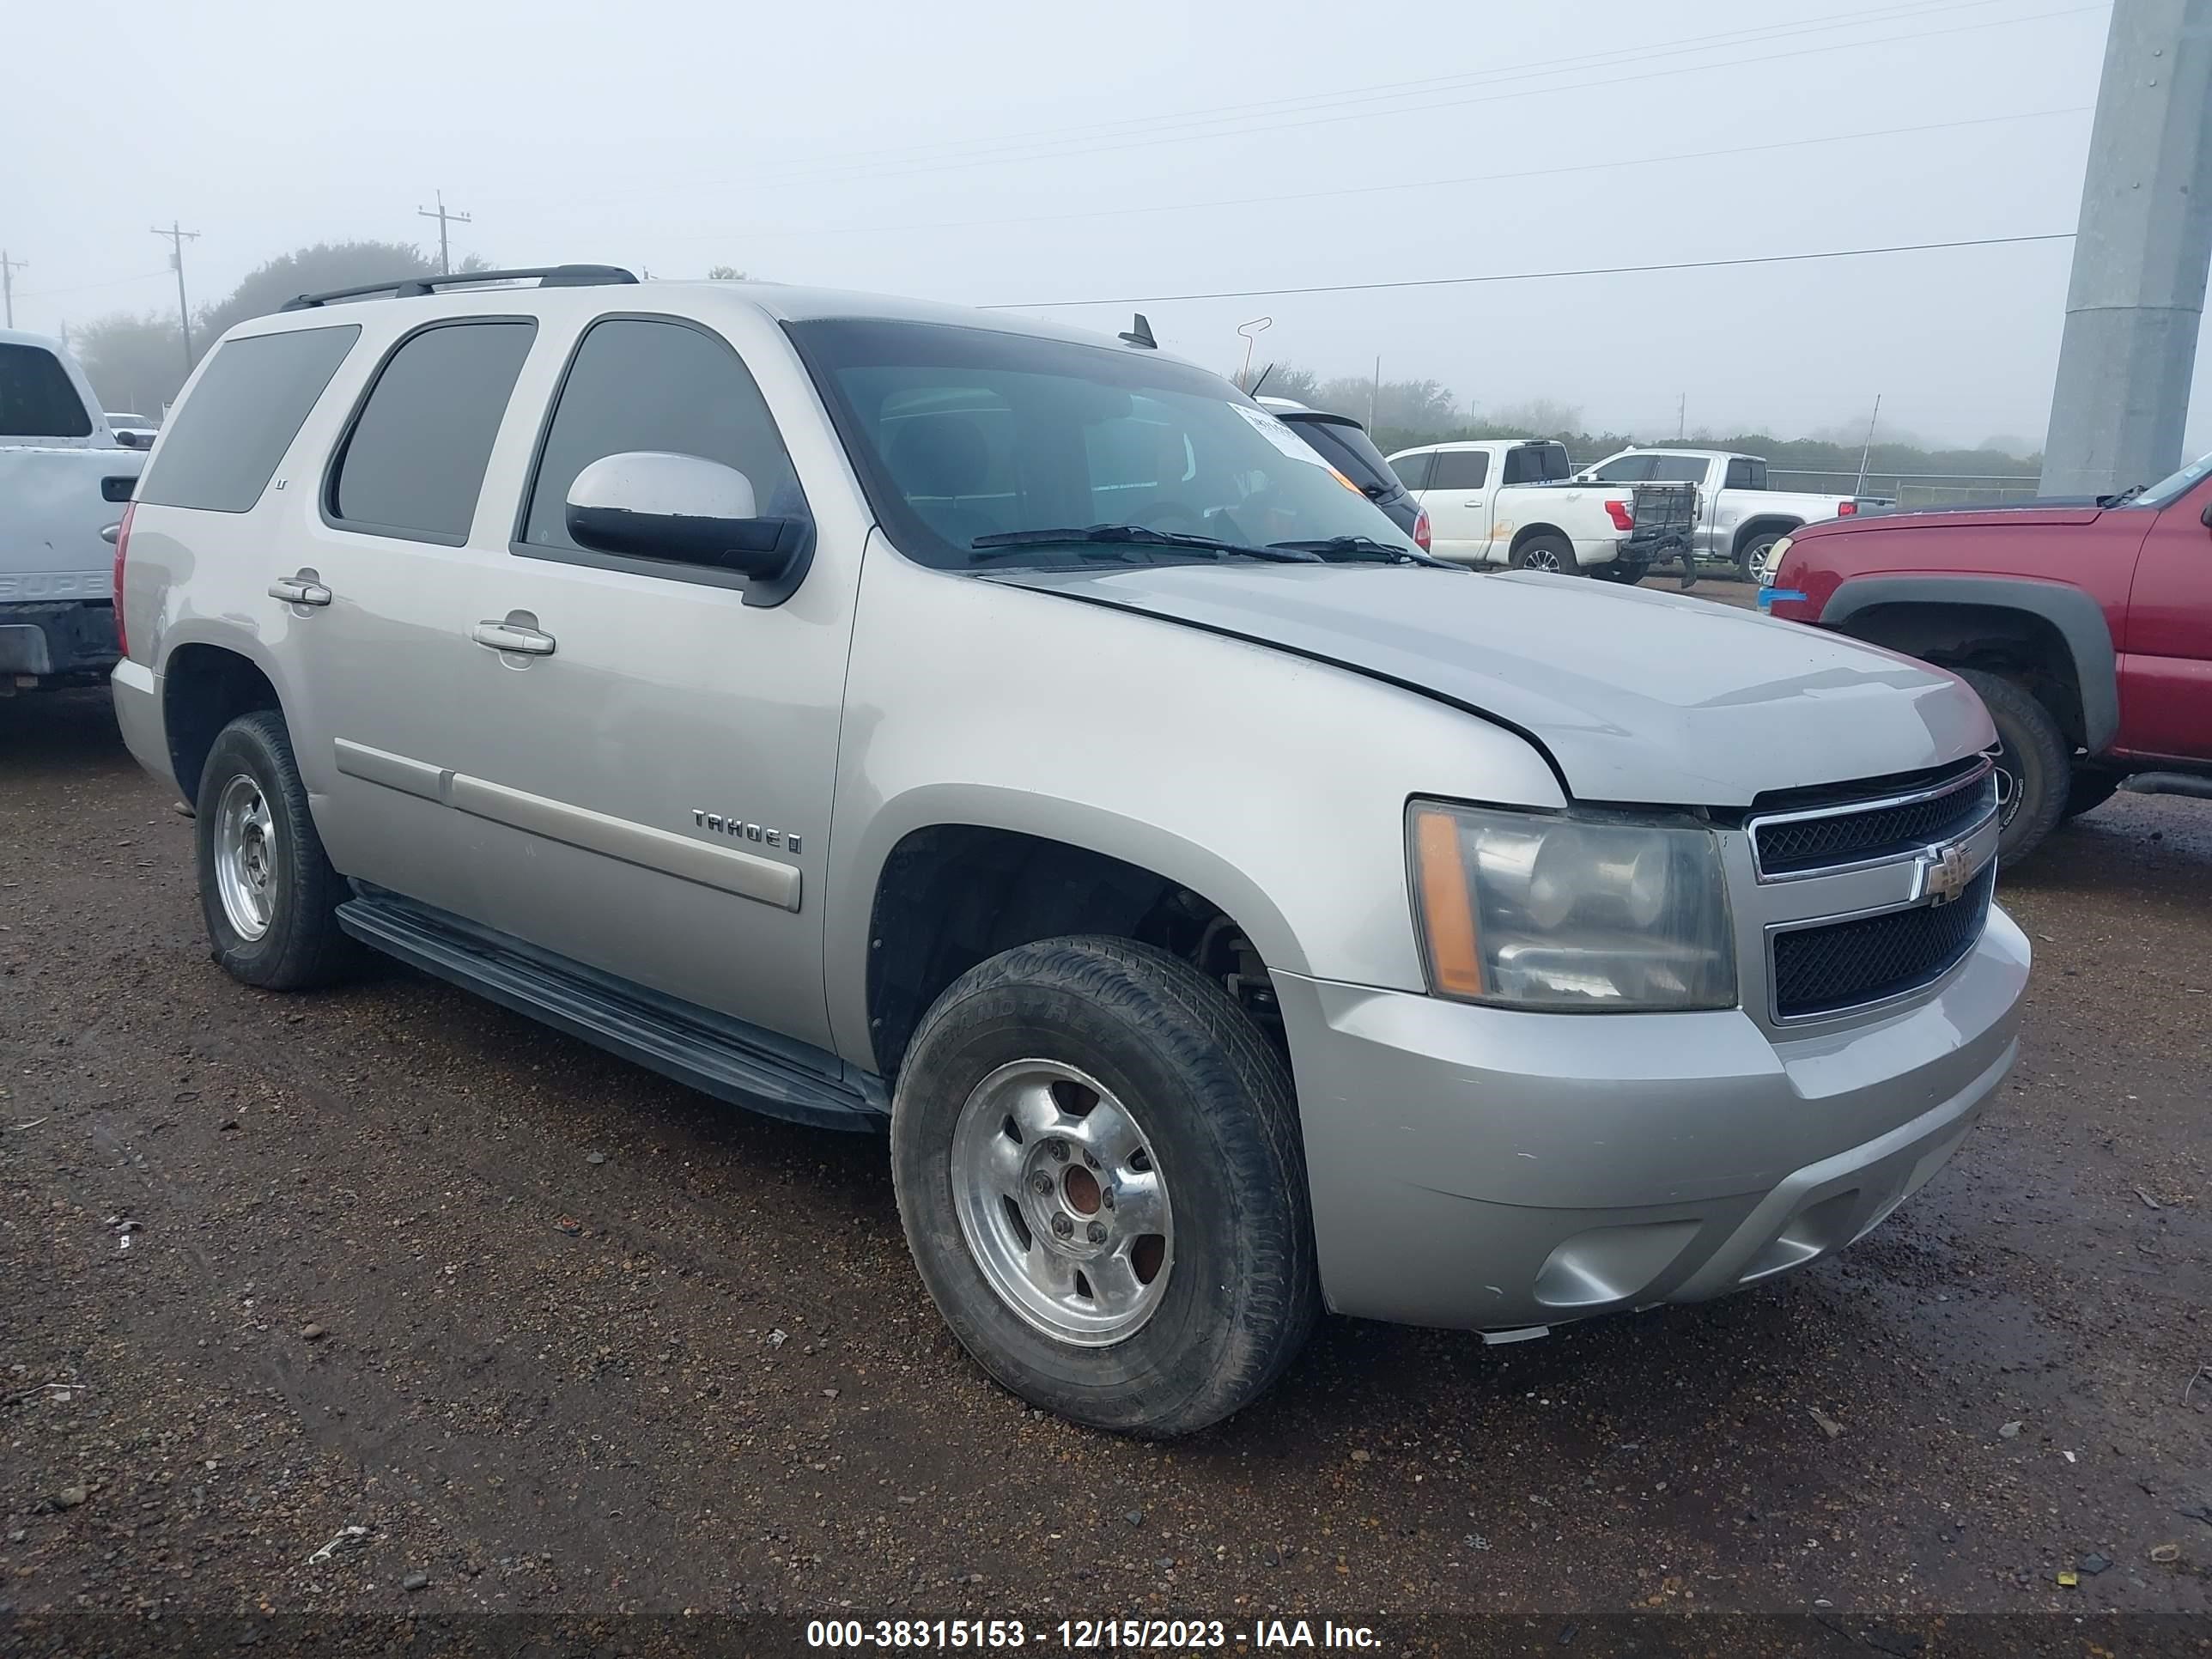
(1820, 839)
(1826, 967)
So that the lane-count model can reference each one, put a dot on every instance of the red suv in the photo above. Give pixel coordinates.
(2085, 625)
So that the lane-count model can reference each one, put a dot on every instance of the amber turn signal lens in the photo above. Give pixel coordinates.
(1447, 907)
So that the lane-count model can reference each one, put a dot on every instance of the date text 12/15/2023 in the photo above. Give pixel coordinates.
(1086, 1635)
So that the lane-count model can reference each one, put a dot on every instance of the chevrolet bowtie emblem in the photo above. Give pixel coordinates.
(1944, 872)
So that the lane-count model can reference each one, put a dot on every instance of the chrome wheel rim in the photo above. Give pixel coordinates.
(245, 857)
(1062, 1204)
(1543, 559)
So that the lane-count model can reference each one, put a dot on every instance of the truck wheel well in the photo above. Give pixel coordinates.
(1529, 532)
(203, 689)
(1760, 527)
(954, 895)
(2017, 644)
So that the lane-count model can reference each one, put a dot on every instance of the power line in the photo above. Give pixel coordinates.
(1371, 91)
(1163, 133)
(1527, 275)
(1728, 152)
(80, 288)
(441, 214)
(177, 240)
(1431, 85)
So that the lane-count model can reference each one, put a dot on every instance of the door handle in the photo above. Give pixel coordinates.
(294, 591)
(509, 636)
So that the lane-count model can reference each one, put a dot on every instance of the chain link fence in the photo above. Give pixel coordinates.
(1913, 489)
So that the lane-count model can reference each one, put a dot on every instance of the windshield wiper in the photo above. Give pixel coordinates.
(1365, 550)
(1010, 543)
(2122, 498)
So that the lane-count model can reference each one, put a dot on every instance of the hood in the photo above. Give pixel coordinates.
(1637, 696)
(2012, 515)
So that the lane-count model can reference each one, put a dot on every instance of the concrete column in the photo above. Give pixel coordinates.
(2144, 242)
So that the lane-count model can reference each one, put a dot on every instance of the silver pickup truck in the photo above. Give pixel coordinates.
(63, 478)
(1015, 742)
(1740, 517)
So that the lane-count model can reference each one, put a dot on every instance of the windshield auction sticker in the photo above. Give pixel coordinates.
(1278, 435)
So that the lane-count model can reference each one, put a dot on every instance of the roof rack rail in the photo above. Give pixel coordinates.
(416, 288)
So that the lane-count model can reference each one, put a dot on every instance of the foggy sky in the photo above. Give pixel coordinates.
(1005, 150)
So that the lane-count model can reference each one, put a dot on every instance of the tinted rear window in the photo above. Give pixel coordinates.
(225, 444)
(1412, 470)
(37, 397)
(1461, 468)
(1536, 464)
(414, 463)
(1351, 452)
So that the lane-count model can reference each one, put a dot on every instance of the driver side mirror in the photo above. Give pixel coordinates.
(684, 509)
(2205, 517)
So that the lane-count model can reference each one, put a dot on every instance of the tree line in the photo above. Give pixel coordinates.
(1400, 414)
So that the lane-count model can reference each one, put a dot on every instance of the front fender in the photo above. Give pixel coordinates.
(1273, 785)
(2076, 614)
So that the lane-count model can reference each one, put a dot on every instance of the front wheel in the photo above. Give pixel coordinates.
(1553, 553)
(1097, 1164)
(2035, 763)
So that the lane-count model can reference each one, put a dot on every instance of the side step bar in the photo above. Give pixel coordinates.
(705, 1050)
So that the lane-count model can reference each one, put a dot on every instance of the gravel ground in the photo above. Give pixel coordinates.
(558, 1334)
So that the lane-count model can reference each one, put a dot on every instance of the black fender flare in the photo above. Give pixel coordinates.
(2078, 618)
(1753, 526)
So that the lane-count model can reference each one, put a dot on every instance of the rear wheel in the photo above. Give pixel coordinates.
(1757, 549)
(1097, 1164)
(2035, 763)
(267, 890)
(1548, 552)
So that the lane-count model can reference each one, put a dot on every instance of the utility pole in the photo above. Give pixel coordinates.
(1866, 450)
(177, 240)
(441, 213)
(8, 269)
(1681, 413)
(2140, 255)
(1374, 391)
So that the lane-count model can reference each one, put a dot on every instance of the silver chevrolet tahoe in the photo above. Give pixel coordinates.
(896, 717)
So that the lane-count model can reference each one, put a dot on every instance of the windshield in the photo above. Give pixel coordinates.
(2170, 489)
(964, 436)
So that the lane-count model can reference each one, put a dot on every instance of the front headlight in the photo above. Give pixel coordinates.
(1536, 910)
(1773, 563)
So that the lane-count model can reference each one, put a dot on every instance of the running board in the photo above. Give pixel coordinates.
(710, 1052)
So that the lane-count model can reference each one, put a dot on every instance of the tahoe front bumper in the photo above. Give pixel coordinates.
(1486, 1169)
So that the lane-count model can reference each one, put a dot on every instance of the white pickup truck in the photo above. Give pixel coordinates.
(1740, 519)
(64, 480)
(1511, 500)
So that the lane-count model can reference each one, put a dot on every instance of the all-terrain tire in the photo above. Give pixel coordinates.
(1212, 1098)
(300, 943)
(2035, 763)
